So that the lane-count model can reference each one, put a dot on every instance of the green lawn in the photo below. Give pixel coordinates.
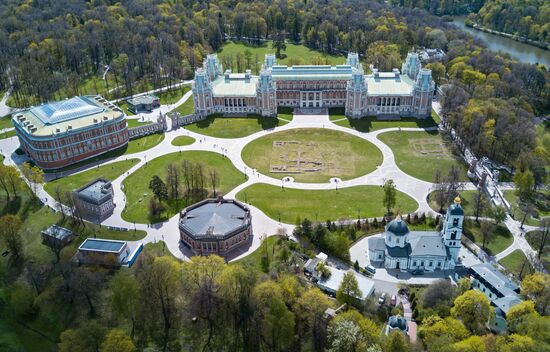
(515, 262)
(107, 171)
(320, 205)
(173, 95)
(137, 184)
(124, 106)
(421, 153)
(5, 122)
(143, 143)
(254, 259)
(181, 141)
(234, 127)
(7, 134)
(467, 203)
(541, 203)
(186, 108)
(370, 123)
(502, 238)
(136, 123)
(323, 154)
(294, 54)
(534, 238)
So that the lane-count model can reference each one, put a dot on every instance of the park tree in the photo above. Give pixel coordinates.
(116, 340)
(541, 238)
(396, 342)
(86, 338)
(473, 309)
(383, 55)
(480, 203)
(524, 182)
(278, 326)
(125, 299)
(439, 191)
(349, 291)
(173, 181)
(519, 313)
(487, 233)
(537, 288)
(369, 330)
(472, 343)
(158, 187)
(9, 180)
(214, 180)
(439, 293)
(499, 214)
(435, 329)
(160, 283)
(10, 234)
(345, 336)
(309, 309)
(515, 343)
(438, 71)
(279, 44)
(390, 194)
(35, 175)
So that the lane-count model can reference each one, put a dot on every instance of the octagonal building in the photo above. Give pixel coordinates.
(215, 226)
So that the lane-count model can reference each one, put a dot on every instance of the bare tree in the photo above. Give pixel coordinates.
(173, 181)
(543, 241)
(58, 195)
(440, 190)
(214, 180)
(487, 232)
(480, 203)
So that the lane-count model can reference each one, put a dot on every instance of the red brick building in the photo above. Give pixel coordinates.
(55, 135)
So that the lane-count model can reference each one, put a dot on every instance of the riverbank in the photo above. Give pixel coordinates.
(538, 44)
(520, 51)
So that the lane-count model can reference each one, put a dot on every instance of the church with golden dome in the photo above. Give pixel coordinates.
(400, 248)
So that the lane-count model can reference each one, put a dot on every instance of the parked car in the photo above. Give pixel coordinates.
(393, 300)
(382, 298)
(371, 269)
(417, 272)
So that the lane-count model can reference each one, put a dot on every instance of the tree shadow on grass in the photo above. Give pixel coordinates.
(265, 121)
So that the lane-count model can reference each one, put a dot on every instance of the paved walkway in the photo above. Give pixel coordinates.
(232, 148)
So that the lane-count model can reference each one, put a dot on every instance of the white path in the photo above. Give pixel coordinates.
(232, 148)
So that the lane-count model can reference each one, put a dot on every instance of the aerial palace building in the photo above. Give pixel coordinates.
(58, 134)
(405, 93)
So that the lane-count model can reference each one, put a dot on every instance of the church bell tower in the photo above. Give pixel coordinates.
(452, 228)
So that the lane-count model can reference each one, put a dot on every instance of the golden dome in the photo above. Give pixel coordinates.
(457, 200)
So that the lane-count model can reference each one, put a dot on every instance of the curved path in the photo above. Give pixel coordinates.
(232, 148)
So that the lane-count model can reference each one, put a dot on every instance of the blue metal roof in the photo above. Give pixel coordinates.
(76, 107)
(101, 245)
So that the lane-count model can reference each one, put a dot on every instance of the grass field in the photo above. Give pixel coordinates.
(234, 127)
(181, 141)
(136, 123)
(143, 143)
(420, 154)
(541, 203)
(173, 95)
(346, 203)
(5, 122)
(515, 262)
(534, 238)
(186, 108)
(312, 155)
(294, 54)
(137, 184)
(502, 238)
(107, 171)
(370, 123)
(467, 203)
(7, 134)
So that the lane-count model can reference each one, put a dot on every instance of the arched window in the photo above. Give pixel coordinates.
(453, 235)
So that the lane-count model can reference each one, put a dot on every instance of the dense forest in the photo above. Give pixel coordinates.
(442, 7)
(54, 49)
(526, 18)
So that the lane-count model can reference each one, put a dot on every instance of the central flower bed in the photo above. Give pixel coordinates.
(312, 155)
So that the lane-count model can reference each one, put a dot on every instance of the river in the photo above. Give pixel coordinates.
(517, 50)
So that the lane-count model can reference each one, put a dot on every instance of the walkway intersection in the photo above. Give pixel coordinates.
(232, 148)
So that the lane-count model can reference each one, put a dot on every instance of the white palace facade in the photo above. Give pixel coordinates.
(405, 93)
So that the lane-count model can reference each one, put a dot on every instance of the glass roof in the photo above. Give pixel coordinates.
(52, 113)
